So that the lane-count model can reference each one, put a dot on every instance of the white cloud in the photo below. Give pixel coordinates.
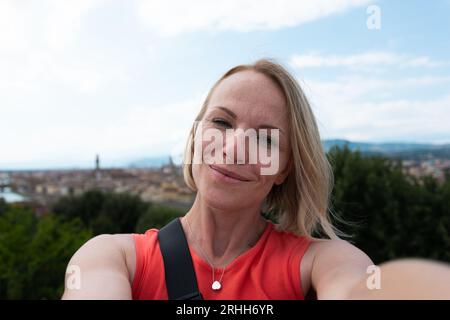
(361, 60)
(369, 109)
(64, 20)
(397, 120)
(40, 48)
(133, 132)
(175, 17)
(356, 87)
(47, 24)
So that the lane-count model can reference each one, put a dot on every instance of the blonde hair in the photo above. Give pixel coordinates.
(301, 202)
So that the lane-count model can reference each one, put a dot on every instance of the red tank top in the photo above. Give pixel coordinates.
(270, 270)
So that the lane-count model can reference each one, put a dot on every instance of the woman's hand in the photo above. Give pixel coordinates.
(342, 271)
(408, 279)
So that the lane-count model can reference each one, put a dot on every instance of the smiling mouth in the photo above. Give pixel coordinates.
(228, 175)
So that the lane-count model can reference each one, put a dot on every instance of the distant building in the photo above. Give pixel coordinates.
(4, 181)
(97, 162)
(98, 174)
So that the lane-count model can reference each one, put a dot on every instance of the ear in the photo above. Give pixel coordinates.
(283, 174)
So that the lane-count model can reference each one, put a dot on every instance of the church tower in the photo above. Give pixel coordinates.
(98, 174)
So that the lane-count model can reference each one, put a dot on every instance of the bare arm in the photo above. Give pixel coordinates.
(408, 279)
(103, 268)
(340, 271)
(337, 267)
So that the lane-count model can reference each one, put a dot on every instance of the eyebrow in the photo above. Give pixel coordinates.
(233, 115)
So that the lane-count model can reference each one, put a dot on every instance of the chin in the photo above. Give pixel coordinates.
(222, 198)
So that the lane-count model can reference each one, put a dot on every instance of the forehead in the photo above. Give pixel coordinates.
(250, 93)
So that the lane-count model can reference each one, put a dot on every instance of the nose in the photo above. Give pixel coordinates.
(236, 149)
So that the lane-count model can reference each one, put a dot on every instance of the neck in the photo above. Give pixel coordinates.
(222, 234)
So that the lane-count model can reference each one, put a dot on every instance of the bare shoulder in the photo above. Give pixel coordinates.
(330, 267)
(115, 249)
(105, 266)
(336, 249)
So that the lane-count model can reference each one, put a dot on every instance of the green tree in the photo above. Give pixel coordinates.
(34, 253)
(391, 214)
(16, 229)
(3, 206)
(157, 216)
(103, 212)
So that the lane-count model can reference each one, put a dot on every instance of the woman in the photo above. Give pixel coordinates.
(237, 253)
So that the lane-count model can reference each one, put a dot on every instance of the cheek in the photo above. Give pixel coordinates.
(265, 183)
(205, 150)
(273, 167)
(196, 174)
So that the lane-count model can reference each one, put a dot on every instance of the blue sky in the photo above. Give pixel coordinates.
(125, 79)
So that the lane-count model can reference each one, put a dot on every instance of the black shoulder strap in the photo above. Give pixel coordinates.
(181, 281)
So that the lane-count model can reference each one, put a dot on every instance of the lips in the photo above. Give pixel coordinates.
(229, 173)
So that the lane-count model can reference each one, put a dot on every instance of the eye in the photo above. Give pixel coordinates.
(221, 123)
(268, 138)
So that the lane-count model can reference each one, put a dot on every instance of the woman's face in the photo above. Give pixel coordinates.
(245, 100)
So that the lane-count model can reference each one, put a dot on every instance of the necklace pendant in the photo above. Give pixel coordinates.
(216, 285)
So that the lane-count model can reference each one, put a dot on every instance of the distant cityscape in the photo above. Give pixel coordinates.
(417, 159)
(164, 183)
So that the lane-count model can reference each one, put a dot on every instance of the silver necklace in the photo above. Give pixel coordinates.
(216, 284)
